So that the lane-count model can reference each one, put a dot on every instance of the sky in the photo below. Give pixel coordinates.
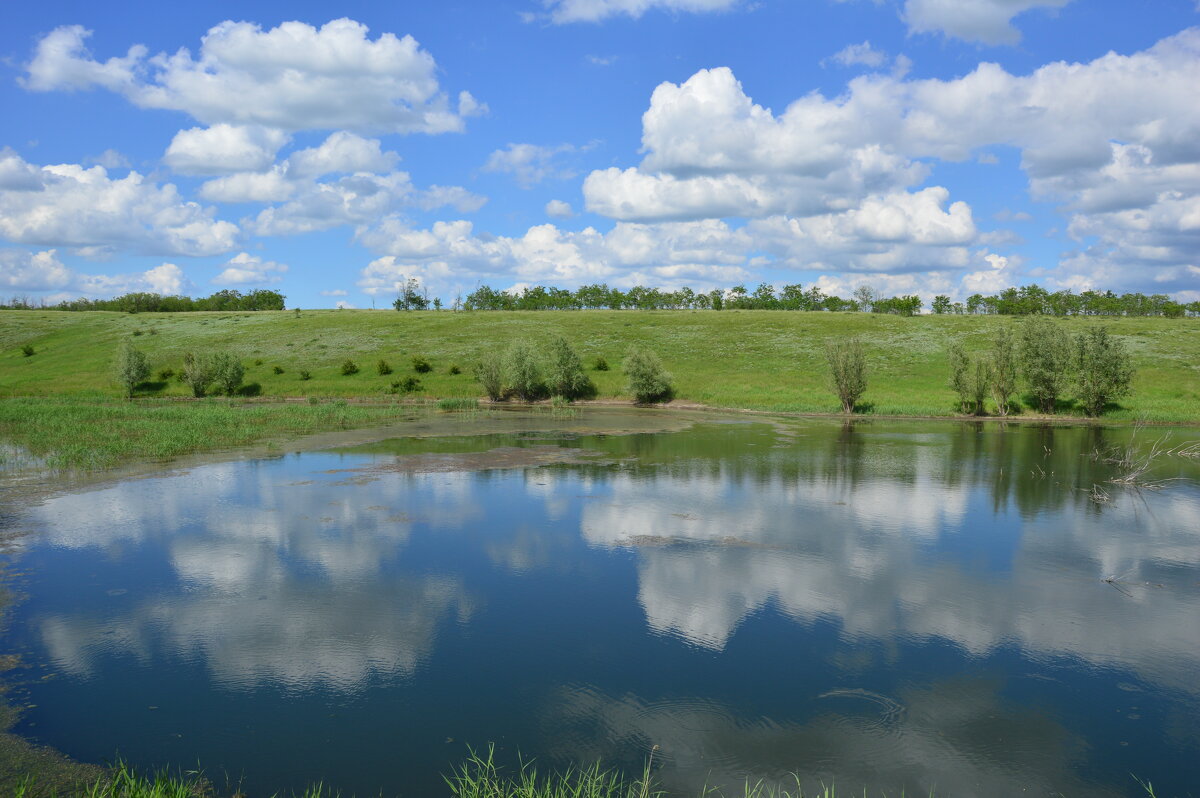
(332, 152)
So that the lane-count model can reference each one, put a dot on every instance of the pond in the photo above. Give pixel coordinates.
(971, 608)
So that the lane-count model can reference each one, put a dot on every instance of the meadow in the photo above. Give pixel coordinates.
(754, 360)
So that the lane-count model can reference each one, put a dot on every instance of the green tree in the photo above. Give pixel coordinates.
(227, 373)
(489, 372)
(1103, 369)
(847, 371)
(1045, 358)
(197, 373)
(131, 367)
(648, 381)
(566, 376)
(941, 304)
(1004, 369)
(521, 371)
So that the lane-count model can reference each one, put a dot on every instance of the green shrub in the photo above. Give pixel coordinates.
(971, 378)
(648, 380)
(198, 372)
(227, 373)
(1003, 369)
(1103, 369)
(600, 364)
(566, 377)
(455, 370)
(277, 369)
(130, 368)
(349, 367)
(1045, 358)
(137, 332)
(421, 365)
(521, 371)
(406, 385)
(27, 350)
(489, 371)
(847, 371)
(165, 374)
(258, 361)
(383, 368)
(304, 375)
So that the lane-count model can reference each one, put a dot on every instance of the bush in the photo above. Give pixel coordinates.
(421, 365)
(165, 374)
(228, 372)
(258, 361)
(600, 364)
(27, 350)
(489, 372)
(277, 369)
(648, 380)
(130, 368)
(383, 368)
(406, 385)
(455, 370)
(1004, 369)
(1103, 369)
(137, 332)
(348, 368)
(197, 373)
(304, 375)
(1045, 358)
(970, 378)
(566, 378)
(847, 371)
(521, 371)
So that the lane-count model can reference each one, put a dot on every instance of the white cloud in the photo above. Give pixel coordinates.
(858, 55)
(455, 197)
(342, 152)
(247, 269)
(529, 163)
(22, 270)
(357, 199)
(986, 21)
(563, 11)
(334, 292)
(109, 159)
(269, 186)
(291, 77)
(223, 148)
(558, 209)
(78, 207)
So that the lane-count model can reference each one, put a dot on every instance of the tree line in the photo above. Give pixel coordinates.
(1024, 301)
(146, 302)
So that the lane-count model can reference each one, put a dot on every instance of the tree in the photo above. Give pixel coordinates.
(489, 371)
(227, 373)
(522, 372)
(1004, 369)
(566, 378)
(131, 368)
(648, 381)
(970, 378)
(1045, 357)
(197, 373)
(941, 304)
(847, 371)
(1103, 369)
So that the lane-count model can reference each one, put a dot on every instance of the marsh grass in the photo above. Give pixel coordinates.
(459, 403)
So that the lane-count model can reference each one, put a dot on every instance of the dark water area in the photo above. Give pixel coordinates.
(882, 605)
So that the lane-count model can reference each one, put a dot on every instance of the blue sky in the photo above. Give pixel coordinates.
(928, 146)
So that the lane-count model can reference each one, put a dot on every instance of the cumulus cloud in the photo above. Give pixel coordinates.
(455, 197)
(986, 21)
(563, 11)
(558, 209)
(357, 199)
(22, 270)
(247, 269)
(292, 77)
(68, 205)
(223, 148)
(342, 152)
(530, 164)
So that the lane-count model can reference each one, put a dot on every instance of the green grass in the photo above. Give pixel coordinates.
(759, 360)
(456, 403)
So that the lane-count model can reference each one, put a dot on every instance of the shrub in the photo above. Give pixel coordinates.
(258, 361)
(27, 350)
(847, 371)
(521, 371)
(1004, 369)
(277, 369)
(600, 364)
(566, 378)
(406, 385)
(197, 372)
(648, 380)
(137, 332)
(970, 378)
(455, 370)
(383, 368)
(304, 375)
(165, 374)
(348, 368)
(421, 365)
(228, 372)
(1045, 358)
(489, 371)
(152, 331)
(130, 368)
(1103, 369)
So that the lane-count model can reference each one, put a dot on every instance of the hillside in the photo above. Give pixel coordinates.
(764, 360)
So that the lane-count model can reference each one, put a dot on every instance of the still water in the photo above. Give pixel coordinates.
(887, 605)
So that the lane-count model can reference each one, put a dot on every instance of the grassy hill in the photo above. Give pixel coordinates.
(762, 360)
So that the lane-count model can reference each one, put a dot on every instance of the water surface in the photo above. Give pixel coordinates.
(889, 605)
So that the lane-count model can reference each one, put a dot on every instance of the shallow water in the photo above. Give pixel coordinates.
(890, 605)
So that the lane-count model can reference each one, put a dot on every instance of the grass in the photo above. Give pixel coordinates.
(457, 403)
(757, 360)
